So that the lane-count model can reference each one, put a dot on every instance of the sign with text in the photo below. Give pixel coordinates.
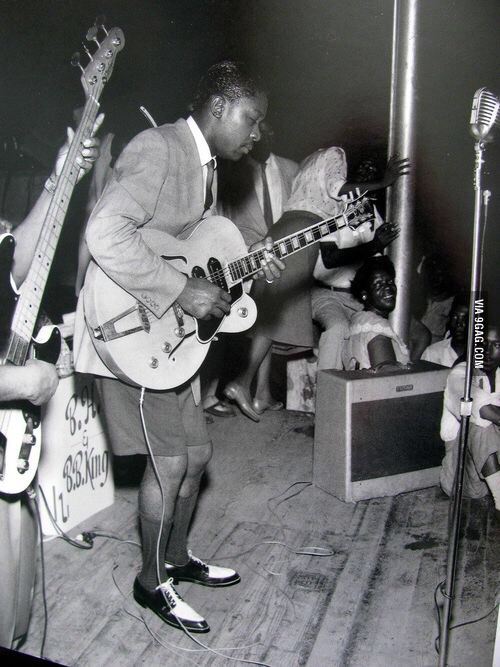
(75, 464)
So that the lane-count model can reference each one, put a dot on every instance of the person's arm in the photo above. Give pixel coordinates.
(115, 242)
(27, 233)
(35, 382)
(394, 169)
(490, 413)
(381, 353)
(333, 256)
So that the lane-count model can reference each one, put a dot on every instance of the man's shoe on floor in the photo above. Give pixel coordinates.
(166, 603)
(199, 572)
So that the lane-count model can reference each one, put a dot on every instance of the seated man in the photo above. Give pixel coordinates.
(482, 467)
(452, 347)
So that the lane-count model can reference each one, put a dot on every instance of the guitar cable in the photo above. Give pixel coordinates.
(158, 572)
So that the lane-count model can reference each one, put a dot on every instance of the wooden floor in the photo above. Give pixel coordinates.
(368, 603)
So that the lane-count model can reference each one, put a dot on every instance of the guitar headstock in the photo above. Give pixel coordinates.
(360, 212)
(100, 67)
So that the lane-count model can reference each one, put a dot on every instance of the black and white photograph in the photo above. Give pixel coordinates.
(250, 333)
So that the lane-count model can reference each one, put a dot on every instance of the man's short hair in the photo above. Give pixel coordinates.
(228, 78)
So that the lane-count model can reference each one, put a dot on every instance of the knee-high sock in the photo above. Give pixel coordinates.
(493, 482)
(151, 506)
(150, 530)
(176, 552)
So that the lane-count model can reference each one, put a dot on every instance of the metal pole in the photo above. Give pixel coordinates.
(400, 203)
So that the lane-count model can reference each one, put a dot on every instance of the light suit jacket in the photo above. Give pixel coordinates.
(157, 182)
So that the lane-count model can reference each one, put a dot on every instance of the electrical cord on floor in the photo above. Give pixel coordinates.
(85, 539)
(298, 551)
(79, 544)
(457, 625)
(179, 650)
(181, 624)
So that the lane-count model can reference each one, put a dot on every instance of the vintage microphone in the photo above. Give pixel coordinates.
(484, 116)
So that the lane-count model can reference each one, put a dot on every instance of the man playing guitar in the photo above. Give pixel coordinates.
(164, 180)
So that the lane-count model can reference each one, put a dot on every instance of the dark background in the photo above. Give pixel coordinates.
(327, 64)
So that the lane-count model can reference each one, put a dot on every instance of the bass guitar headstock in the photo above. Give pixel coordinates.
(101, 62)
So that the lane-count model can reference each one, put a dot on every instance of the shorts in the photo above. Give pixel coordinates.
(173, 421)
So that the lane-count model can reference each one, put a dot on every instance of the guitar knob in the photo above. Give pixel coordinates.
(180, 332)
(242, 312)
(153, 362)
(166, 347)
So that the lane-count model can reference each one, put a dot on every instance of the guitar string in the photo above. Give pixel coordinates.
(50, 232)
(25, 315)
(226, 273)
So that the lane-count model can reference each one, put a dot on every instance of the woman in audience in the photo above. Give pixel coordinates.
(372, 342)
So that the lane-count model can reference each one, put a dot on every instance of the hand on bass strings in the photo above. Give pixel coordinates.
(202, 299)
(89, 150)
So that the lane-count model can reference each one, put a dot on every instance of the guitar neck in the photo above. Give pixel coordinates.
(28, 305)
(354, 215)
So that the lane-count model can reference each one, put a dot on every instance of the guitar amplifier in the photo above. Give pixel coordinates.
(378, 435)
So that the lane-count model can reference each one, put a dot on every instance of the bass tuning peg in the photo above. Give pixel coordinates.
(75, 60)
(87, 52)
(91, 35)
(100, 21)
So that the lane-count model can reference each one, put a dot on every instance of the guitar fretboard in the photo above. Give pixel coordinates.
(27, 308)
(356, 214)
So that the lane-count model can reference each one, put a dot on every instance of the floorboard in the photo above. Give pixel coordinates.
(367, 601)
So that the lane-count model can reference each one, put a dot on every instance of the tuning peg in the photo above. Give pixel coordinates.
(87, 52)
(99, 22)
(75, 60)
(92, 35)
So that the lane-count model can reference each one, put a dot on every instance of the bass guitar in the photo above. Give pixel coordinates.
(162, 353)
(20, 421)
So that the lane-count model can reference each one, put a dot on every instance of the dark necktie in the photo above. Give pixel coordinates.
(266, 198)
(209, 198)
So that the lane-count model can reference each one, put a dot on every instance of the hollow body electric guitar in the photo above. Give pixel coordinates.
(20, 421)
(163, 353)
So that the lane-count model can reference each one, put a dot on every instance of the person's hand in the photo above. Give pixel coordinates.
(385, 234)
(40, 381)
(202, 299)
(89, 151)
(395, 168)
(271, 265)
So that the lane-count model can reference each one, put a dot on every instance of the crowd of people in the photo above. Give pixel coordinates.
(220, 160)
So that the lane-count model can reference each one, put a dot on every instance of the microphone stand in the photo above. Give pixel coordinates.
(465, 413)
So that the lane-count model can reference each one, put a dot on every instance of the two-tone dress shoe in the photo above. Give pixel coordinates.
(198, 572)
(166, 603)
